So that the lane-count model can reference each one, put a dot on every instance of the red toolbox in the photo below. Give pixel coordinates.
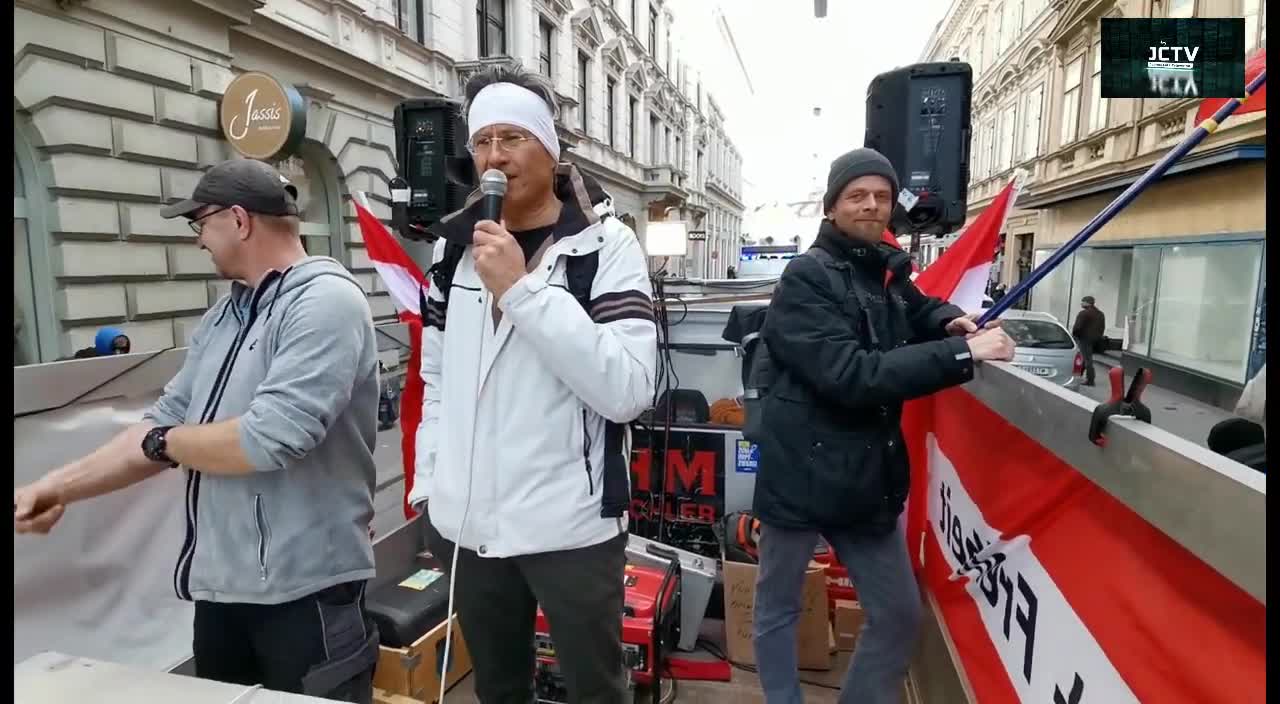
(839, 586)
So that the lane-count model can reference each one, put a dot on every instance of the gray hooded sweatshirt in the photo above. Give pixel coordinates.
(295, 359)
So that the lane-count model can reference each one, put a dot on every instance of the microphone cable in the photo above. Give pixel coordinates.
(462, 528)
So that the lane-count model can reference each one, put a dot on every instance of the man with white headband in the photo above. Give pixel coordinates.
(522, 465)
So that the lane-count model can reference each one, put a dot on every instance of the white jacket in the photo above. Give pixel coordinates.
(511, 440)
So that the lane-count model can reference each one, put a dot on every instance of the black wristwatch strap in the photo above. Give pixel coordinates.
(154, 446)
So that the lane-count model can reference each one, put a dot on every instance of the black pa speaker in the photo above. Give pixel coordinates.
(918, 117)
(436, 173)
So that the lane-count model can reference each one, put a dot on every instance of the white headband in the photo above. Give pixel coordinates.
(510, 104)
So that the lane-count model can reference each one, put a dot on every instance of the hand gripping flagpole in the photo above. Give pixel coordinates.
(1122, 201)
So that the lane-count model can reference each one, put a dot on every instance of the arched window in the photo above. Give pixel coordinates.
(35, 331)
(25, 331)
(312, 171)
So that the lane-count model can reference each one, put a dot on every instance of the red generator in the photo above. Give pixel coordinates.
(839, 586)
(649, 629)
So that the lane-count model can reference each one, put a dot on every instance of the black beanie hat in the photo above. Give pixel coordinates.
(854, 164)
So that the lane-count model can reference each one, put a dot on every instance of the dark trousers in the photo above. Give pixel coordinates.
(322, 645)
(1086, 353)
(881, 572)
(581, 593)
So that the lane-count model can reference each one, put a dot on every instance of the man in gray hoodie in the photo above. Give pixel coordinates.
(273, 419)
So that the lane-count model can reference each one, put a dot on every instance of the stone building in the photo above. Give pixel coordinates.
(117, 110)
(1179, 272)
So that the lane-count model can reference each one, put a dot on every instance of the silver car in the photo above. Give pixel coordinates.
(1045, 347)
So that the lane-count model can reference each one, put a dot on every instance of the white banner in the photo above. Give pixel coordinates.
(1048, 653)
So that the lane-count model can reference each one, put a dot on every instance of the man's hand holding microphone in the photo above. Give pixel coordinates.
(499, 259)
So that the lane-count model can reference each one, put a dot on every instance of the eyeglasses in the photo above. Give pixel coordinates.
(506, 143)
(195, 224)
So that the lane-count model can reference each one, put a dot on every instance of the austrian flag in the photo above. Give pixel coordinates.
(404, 281)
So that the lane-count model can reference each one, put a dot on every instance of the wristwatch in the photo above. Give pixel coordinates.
(154, 445)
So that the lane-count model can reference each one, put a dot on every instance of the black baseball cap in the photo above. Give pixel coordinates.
(253, 185)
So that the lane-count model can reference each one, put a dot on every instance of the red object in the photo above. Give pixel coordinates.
(640, 622)
(411, 397)
(960, 276)
(707, 668)
(404, 280)
(1047, 583)
(1077, 367)
(1257, 102)
(839, 586)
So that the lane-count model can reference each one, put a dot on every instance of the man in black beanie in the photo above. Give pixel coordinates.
(851, 339)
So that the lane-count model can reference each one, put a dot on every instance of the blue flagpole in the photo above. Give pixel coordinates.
(1122, 201)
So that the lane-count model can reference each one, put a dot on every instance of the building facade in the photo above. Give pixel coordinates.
(1178, 272)
(117, 111)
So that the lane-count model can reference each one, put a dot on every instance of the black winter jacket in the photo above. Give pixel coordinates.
(832, 455)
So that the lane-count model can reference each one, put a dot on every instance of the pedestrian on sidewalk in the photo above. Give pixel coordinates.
(1089, 329)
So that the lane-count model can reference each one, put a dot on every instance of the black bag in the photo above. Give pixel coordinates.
(761, 371)
(408, 609)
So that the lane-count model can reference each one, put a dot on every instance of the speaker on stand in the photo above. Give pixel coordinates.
(436, 172)
(918, 117)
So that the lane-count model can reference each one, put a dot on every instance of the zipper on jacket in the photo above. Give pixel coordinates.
(586, 454)
(182, 571)
(260, 519)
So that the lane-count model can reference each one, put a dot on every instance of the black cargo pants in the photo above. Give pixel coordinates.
(581, 593)
(322, 645)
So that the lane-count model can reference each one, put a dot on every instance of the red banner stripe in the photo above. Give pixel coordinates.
(1174, 628)
(979, 661)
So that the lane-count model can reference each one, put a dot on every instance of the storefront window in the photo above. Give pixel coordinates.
(1142, 298)
(1205, 307)
(1103, 274)
(1053, 294)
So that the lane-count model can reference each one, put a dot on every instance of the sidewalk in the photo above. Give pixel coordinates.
(1172, 412)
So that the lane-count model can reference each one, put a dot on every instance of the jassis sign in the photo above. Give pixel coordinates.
(262, 117)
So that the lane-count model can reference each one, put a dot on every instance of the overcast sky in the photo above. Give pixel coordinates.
(797, 62)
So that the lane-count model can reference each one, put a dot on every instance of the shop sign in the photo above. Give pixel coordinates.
(261, 117)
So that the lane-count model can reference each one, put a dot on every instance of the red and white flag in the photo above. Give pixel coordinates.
(399, 273)
(1257, 63)
(961, 274)
(403, 279)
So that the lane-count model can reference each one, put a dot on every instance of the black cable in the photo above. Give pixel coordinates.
(664, 378)
(718, 653)
(675, 687)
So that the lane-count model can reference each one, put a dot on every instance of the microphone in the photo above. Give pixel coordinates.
(493, 186)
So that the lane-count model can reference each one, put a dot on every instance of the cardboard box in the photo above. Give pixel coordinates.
(848, 624)
(415, 671)
(813, 632)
